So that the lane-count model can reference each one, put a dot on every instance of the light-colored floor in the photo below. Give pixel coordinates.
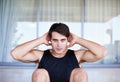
(17, 74)
(104, 75)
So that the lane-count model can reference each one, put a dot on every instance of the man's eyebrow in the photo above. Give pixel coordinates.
(63, 39)
(60, 39)
(54, 39)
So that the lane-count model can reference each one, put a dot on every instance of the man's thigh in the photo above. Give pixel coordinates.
(40, 75)
(78, 75)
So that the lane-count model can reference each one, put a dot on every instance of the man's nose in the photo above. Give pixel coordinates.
(59, 43)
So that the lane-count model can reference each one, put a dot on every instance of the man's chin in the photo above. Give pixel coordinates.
(59, 51)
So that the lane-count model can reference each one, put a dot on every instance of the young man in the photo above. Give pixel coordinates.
(59, 64)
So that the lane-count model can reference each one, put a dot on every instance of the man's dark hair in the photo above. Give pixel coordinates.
(60, 28)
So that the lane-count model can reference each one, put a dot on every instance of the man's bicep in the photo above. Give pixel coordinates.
(32, 56)
(88, 56)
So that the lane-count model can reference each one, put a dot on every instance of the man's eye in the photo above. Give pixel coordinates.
(63, 40)
(55, 40)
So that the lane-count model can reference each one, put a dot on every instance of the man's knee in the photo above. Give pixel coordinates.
(79, 73)
(40, 74)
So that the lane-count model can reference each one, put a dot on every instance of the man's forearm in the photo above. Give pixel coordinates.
(24, 48)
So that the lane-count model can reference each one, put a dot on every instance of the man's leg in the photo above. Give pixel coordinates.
(40, 75)
(78, 75)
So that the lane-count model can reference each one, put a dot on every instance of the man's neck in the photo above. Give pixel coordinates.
(57, 55)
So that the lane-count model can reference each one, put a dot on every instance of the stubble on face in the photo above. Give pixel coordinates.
(59, 43)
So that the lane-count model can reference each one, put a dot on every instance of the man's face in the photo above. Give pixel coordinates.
(59, 42)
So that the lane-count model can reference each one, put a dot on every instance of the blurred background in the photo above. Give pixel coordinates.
(95, 20)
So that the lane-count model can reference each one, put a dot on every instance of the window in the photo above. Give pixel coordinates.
(102, 24)
(96, 20)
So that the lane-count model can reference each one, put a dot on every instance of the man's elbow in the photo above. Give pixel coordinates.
(14, 55)
(103, 53)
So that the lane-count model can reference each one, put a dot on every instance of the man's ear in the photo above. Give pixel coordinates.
(70, 37)
(48, 37)
(49, 40)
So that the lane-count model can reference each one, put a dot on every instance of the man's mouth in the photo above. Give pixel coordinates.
(59, 49)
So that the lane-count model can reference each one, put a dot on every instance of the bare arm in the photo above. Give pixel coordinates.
(94, 50)
(26, 52)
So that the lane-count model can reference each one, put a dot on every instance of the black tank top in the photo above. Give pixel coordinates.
(59, 69)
